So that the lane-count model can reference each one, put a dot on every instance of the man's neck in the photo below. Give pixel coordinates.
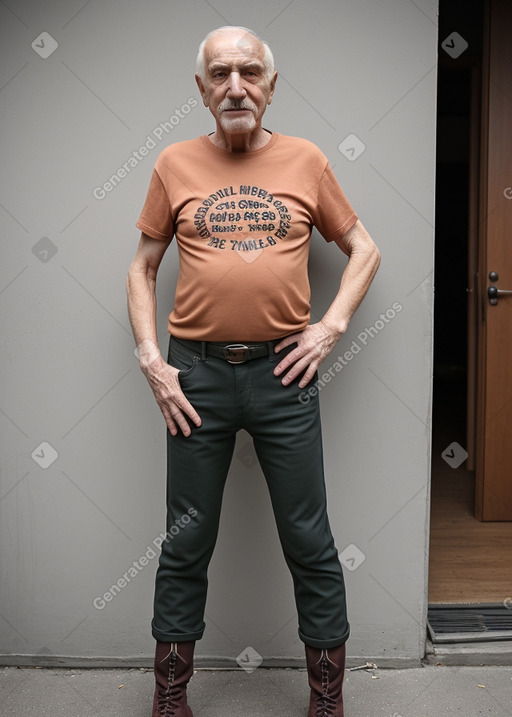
(247, 142)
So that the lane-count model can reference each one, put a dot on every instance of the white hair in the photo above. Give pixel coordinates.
(268, 57)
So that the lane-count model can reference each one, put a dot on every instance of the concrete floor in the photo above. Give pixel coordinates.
(432, 691)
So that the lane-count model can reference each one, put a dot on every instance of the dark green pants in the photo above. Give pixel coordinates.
(287, 439)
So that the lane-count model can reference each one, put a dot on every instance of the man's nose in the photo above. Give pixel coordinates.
(236, 88)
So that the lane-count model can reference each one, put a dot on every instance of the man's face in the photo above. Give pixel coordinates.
(236, 88)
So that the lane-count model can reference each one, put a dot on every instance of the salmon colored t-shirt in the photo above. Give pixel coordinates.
(243, 223)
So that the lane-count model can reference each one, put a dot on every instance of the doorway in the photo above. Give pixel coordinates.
(470, 561)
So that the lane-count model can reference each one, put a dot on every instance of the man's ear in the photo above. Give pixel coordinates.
(200, 84)
(272, 87)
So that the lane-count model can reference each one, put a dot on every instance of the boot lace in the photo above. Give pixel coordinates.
(167, 699)
(325, 704)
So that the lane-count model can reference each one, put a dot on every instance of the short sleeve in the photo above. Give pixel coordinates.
(156, 219)
(334, 215)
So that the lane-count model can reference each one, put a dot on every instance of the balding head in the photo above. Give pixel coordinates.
(245, 39)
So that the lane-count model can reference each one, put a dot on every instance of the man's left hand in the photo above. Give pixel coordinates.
(314, 344)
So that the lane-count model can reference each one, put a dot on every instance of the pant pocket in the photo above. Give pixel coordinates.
(182, 358)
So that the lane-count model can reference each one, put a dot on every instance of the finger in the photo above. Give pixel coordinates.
(178, 399)
(287, 341)
(175, 420)
(180, 420)
(170, 423)
(307, 376)
(291, 358)
(186, 407)
(296, 370)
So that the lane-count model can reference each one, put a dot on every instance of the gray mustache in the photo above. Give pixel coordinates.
(233, 105)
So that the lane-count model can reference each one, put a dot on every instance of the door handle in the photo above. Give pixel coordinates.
(493, 293)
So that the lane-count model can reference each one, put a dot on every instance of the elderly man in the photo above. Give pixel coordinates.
(242, 202)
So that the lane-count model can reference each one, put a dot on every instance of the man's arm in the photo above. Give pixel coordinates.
(163, 379)
(318, 340)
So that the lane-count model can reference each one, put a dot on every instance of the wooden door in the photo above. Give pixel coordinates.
(494, 374)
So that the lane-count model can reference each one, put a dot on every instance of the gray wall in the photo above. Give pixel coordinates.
(72, 527)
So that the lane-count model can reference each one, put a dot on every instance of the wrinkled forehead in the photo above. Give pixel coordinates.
(233, 47)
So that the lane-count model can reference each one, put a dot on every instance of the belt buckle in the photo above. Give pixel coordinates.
(235, 353)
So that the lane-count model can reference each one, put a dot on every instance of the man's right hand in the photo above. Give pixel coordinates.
(173, 403)
(162, 378)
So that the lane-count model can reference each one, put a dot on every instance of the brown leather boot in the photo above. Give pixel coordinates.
(173, 669)
(325, 675)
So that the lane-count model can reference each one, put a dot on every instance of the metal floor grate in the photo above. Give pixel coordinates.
(469, 623)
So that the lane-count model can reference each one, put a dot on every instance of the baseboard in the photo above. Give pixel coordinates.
(201, 662)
